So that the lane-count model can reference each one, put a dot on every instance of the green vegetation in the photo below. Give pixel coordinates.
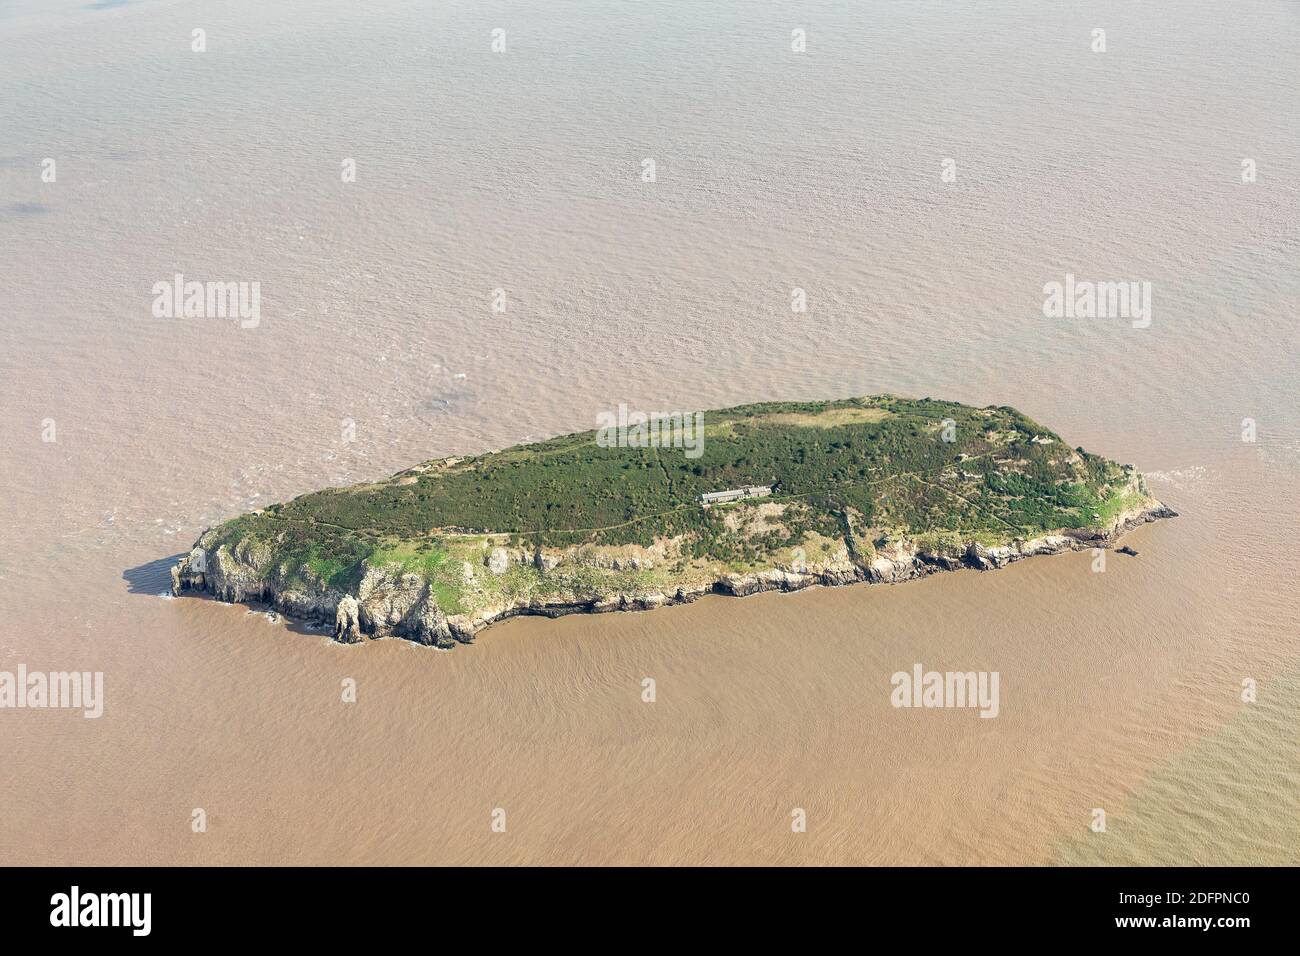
(847, 473)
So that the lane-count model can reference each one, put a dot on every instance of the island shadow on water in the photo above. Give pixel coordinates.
(153, 578)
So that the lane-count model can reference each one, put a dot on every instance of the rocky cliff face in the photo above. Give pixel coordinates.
(391, 602)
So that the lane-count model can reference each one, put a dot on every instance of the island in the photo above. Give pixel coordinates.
(772, 496)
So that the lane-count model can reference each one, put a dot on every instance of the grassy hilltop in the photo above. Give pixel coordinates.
(571, 520)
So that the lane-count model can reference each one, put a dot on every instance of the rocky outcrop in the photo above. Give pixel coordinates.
(498, 561)
(347, 621)
(390, 602)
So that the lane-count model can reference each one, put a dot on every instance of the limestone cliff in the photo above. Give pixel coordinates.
(392, 602)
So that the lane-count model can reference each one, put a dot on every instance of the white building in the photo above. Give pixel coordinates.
(735, 494)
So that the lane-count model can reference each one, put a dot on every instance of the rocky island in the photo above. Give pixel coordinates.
(776, 496)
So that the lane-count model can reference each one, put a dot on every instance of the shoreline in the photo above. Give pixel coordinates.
(389, 604)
